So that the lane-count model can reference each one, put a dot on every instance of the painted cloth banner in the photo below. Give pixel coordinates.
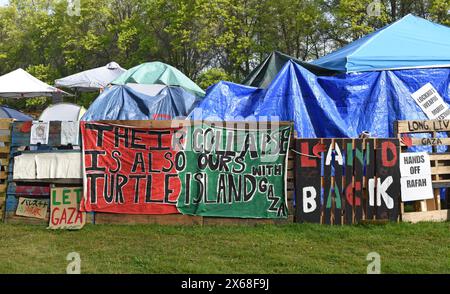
(64, 208)
(130, 170)
(31, 207)
(233, 172)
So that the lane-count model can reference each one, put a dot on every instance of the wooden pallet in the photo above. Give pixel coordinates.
(428, 134)
(5, 143)
(19, 141)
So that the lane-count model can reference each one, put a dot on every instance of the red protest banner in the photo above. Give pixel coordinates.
(131, 170)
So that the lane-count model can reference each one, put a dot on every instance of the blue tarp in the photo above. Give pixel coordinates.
(8, 112)
(337, 106)
(410, 42)
(121, 102)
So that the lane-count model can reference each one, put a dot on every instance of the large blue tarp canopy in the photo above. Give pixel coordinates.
(335, 106)
(410, 42)
(124, 102)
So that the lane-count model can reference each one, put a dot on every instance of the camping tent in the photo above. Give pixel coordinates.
(19, 84)
(158, 73)
(93, 79)
(8, 112)
(265, 72)
(411, 42)
(327, 106)
(62, 112)
(141, 102)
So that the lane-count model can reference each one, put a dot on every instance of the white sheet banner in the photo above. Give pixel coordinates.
(70, 132)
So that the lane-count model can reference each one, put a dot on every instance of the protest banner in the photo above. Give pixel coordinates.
(32, 207)
(130, 170)
(346, 180)
(64, 208)
(232, 172)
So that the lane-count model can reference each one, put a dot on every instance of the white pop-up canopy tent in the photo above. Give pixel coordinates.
(93, 79)
(20, 84)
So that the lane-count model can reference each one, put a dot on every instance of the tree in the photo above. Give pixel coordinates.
(208, 40)
(212, 76)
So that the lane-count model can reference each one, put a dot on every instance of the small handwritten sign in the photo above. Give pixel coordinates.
(431, 102)
(64, 208)
(30, 207)
(415, 176)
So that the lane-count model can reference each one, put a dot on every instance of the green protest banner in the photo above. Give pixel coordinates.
(235, 172)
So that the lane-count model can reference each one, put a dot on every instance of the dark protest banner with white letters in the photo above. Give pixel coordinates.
(232, 172)
(346, 180)
(130, 170)
(308, 180)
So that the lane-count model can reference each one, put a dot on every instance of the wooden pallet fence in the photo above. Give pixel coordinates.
(431, 135)
(346, 181)
(39, 189)
(5, 143)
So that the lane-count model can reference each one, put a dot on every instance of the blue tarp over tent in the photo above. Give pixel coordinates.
(338, 106)
(410, 42)
(121, 102)
(8, 112)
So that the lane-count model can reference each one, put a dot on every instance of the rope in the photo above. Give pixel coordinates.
(303, 154)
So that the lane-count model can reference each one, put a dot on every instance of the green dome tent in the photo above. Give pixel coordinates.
(158, 73)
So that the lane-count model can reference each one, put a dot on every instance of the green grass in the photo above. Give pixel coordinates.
(404, 248)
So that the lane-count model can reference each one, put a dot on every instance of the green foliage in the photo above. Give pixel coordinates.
(192, 35)
(440, 11)
(45, 73)
(212, 76)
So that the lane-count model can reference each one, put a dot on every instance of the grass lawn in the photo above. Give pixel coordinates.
(404, 248)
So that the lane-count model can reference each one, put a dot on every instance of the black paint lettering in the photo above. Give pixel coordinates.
(135, 139)
(100, 129)
(93, 178)
(138, 162)
(94, 166)
(118, 136)
(115, 154)
(167, 190)
(159, 135)
(136, 186)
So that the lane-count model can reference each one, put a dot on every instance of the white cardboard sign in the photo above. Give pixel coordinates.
(415, 176)
(416, 188)
(431, 102)
(39, 132)
(414, 163)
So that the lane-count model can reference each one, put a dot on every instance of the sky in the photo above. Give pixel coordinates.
(3, 2)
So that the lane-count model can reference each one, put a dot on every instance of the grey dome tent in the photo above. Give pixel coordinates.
(62, 112)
